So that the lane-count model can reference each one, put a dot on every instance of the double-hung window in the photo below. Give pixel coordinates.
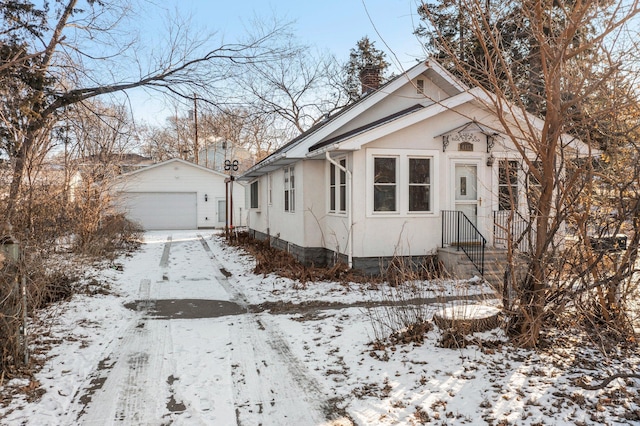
(508, 185)
(402, 182)
(254, 200)
(338, 187)
(289, 190)
(419, 184)
(534, 186)
(385, 184)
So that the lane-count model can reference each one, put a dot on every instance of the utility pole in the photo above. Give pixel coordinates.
(195, 121)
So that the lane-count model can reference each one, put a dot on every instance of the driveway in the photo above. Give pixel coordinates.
(194, 354)
(183, 332)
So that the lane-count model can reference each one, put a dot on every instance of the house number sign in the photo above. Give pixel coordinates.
(231, 165)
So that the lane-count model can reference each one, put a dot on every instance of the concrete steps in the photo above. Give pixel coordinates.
(458, 264)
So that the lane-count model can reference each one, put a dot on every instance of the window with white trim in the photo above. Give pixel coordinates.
(289, 190)
(269, 189)
(254, 200)
(534, 186)
(385, 188)
(419, 184)
(402, 182)
(338, 187)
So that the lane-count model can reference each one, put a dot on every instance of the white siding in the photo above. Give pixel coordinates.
(206, 187)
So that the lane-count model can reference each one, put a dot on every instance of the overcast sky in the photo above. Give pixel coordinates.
(330, 25)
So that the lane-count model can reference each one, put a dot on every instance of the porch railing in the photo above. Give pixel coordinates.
(459, 231)
(512, 226)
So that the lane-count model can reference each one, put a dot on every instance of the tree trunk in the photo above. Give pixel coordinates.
(16, 177)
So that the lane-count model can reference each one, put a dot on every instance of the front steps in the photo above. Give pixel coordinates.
(459, 266)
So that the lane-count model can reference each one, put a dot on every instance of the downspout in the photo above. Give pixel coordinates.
(349, 209)
(269, 185)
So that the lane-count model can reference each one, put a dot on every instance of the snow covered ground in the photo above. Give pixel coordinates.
(190, 347)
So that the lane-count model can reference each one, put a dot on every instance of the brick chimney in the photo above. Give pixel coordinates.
(369, 79)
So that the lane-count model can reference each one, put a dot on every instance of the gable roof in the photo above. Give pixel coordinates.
(366, 127)
(174, 160)
(321, 133)
(327, 136)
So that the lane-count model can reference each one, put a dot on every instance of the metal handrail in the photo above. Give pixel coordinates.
(458, 230)
(511, 226)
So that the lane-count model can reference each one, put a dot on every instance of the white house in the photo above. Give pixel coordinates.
(413, 166)
(177, 194)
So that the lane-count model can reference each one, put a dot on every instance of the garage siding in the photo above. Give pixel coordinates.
(176, 194)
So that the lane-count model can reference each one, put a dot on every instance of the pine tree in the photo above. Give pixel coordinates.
(364, 59)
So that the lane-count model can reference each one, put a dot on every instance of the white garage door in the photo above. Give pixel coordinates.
(162, 210)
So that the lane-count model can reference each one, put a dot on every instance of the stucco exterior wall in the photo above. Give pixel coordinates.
(406, 97)
(270, 218)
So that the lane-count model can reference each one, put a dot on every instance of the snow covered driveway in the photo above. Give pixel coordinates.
(185, 350)
(207, 362)
(182, 339)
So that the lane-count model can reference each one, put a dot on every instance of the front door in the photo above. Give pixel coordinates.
(466, 187)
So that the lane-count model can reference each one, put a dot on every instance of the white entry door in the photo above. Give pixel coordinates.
(466, 191)
(222, 212)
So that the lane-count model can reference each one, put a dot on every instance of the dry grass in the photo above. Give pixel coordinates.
(270, 260)
(50, 277)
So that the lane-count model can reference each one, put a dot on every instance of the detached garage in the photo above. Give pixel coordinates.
(177, 194)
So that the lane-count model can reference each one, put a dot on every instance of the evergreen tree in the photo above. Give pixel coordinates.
(20, 79)
(364, 58)
(497, 36)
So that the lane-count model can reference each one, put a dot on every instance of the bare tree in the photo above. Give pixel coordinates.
(575, 68)
(100, 131)
(84, 53)
(299, 89)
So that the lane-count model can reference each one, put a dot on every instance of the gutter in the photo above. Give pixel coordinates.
(266, 162)
(350, 208)
(324, 150)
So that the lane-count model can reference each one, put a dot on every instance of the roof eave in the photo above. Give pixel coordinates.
(274, 163)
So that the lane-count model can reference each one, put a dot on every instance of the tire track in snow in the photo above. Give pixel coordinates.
(130, 393)
(125, 388)
(271, 385)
